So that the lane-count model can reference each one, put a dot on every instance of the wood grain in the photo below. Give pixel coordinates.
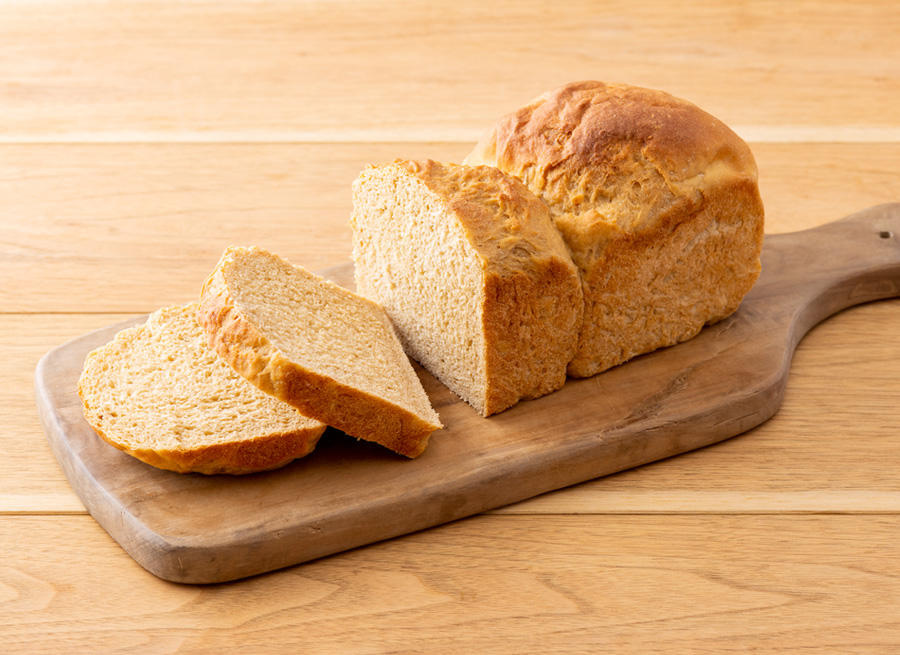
(130, 228)
(725, 381)
(32, 481)
(801, 460)
(339, 71)
(812, 85)
(550, 584)
(833, 446)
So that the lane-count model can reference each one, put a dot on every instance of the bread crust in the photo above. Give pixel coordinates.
(654, 198)
(530, 332)
(531, 298)
(238, 458)
(237, 340)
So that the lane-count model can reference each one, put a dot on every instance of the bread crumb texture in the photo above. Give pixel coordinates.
(328, 352)
(158, 392)
(597, 223)
(473, 274)
(657, 201)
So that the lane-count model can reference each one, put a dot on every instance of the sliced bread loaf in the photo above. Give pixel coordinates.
(330, 353)
(157, 392)
(472, 272)
(657, 200)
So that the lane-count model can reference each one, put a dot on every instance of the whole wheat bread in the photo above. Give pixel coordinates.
(328, 352)
(473, 274)
(657, 200)
(157, 392)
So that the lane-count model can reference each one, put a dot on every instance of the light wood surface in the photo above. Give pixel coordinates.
(490, 584)
(720, 384)
(137, 139)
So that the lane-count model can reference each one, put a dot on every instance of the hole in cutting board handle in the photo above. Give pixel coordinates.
(885, 234)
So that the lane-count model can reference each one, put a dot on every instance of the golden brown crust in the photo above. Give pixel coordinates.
(531, 323)
(240, 343)
(237, 458)
(695, 280)
(507, 225)
(629, 173)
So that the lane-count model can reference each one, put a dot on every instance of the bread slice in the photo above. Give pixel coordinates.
(310, 343)
(157, 392)
(657, 200)
(472, 272)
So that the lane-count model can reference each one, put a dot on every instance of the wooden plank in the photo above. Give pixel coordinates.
(803, 185)
(629, 584)
(107, 235)
(32, 481)
(594, 498)
(725, 381)
(315, 70)
(833, 446)
(808, 457)
(98, 221)
(50, 220)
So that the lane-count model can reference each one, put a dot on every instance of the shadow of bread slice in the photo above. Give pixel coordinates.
(157, 392)
(328, 352)
(473, 274)
(657, 200)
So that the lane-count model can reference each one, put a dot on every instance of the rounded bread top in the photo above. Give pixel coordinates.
(613, 158)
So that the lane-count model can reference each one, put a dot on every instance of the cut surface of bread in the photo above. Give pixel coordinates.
(657, 201)
(330, 353)
(473, 274)
(157, 392)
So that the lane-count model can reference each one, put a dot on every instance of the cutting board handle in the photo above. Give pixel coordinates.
(812, 274)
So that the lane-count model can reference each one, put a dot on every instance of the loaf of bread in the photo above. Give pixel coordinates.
(472, 273)
(157, 392)
(657, 201)
(595, 224)
(326, 351)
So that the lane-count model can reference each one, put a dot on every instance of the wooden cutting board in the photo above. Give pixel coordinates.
(730, 378)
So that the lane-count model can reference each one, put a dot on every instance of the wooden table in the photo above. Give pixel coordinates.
(139, 139)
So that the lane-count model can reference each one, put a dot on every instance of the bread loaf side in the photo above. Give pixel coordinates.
(474, 276)
(657, 201)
